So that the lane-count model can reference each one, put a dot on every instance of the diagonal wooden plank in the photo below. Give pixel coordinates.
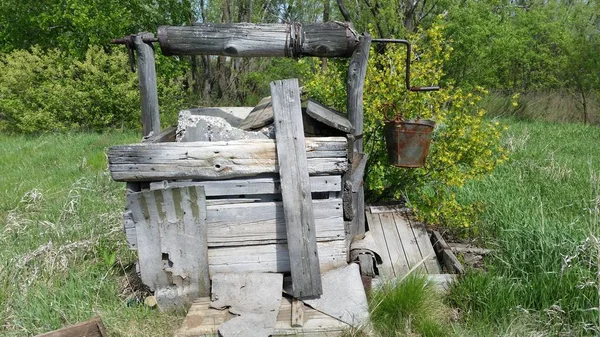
(295, 189)
(385, 269)
(395, 244)
(409, 242)
(425, 247)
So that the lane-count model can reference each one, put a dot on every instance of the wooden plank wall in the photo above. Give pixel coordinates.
(171, 237)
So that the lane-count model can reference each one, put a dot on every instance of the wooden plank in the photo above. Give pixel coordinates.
(388, 209)
(271, 258)
(90, 328)
(259, 40)
(147, 79)
(386, 269)
(166, 135)
(236, 187)
(296, 195)
(353, 185)
(228, 168)
(329, 117)
(255, 299)
(399, 226)
(262, 223)
(425, 247)
(172, 243)
(445, 254)
(355, 87)
(260, 116)
(396, 248)
(343, 296)
(297, 319)
(218, 160)
(202, 320)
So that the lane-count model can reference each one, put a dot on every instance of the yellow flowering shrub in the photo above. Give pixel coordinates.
(465, 144)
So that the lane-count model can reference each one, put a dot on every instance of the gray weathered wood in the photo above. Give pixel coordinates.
(147, 77)
(172, 243)
(255, 299)
(236, 187)
(328, 116)
(260, 116)
(425, 246)
(355, 87)
(343, 296)
(272, 258)
(129, 228)
(202, 320)
(259, 40)
(375, 227)
(445, 254)
(296, 195)
(261, 223)
(166, 135)
(297, 319)
(353, 186)
(243, 224)
(218, 160)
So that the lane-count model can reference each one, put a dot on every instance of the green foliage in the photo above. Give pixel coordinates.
(465, 145)
(406, 307)
(50, 91)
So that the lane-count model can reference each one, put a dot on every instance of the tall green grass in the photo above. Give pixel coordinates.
(541, 215)
(63, 255)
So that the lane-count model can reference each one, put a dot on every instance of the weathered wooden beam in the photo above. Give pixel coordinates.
(233, 187)
(271, 258)
(218, 160)
(329, 39)
(328, 116)
(296, 195)
(89, 328)
(355, 87)
(147, 77)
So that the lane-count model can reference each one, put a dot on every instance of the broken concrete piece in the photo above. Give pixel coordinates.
(198, 128)
(343, 296)
(255, 297)
(233, 115)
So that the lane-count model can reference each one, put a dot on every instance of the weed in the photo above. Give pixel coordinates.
(407, 307)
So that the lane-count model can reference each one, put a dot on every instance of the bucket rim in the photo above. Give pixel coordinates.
(426, 122)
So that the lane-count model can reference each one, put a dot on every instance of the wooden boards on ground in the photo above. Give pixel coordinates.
(296, 192)
(202, 320)
(405, 245)
(219, 160)
(172, 243)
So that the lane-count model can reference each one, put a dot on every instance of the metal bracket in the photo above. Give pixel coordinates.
(408, 53)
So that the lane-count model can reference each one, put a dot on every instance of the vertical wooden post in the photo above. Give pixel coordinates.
(147, 76)
(295, 189)
(355, 87)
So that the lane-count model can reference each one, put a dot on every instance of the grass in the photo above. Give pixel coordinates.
(408, 307)
(63, 257)
(541, 215)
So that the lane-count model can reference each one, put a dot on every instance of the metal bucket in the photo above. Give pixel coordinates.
(408, 142)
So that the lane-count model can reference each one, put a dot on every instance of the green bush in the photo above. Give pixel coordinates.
(465, 145)
(44, 91)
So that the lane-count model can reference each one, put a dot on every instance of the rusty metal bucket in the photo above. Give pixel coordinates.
(408, 141)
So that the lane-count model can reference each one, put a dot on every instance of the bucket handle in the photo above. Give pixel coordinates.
(390, 109)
